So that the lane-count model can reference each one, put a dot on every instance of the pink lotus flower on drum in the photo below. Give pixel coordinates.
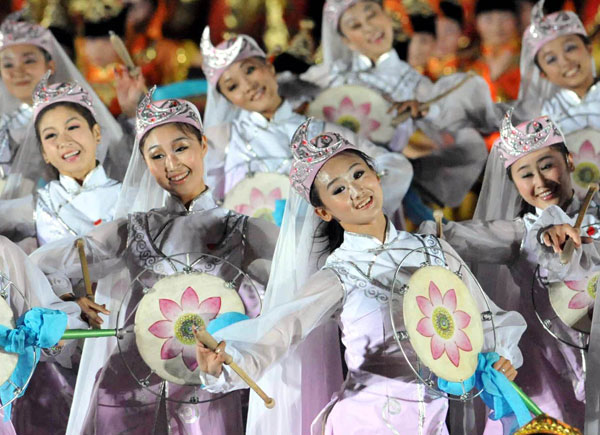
(587, 166)
(177, 329)
(261, 205)
(585, 292)
(444, 324)
(355, 118)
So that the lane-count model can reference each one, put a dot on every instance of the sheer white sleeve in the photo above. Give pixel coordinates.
(503, 332)
(497, 242)
(17, 220)
(261, 238)
(256, 344)
(104, 247)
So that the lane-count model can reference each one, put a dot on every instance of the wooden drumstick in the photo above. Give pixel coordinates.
(567, 252)
(84, 269)
(438, 215)
(425, 105)
(208, 340)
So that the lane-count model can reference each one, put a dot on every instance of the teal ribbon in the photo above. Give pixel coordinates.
(497, 391)
(36, 329)
(278, 212)
(183, 89)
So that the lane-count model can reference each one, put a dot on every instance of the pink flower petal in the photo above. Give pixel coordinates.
(210, 307)
(580, 300)
(364, 109)
(449, 300)
(330, 113)
(452, 352)
(462, 319)
(244, 209)
(425, 305)
(162, 329)
(434, 294)
(257, 198)
(346, 106)
(462, 341)
(170, 309)
(586, 151)
(189, 301)
(170, 349)
(372, 125)
(576, 285)
(425, 327)
(273, 196)
(189, 357)
(437, 346)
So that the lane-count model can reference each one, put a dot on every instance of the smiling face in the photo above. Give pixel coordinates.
(448, 33)
(21, 68)
(367, 29)
(420, 47)
(350, 192)
(68, 142)
(251, 85)
(567, 62)
(543, 178)
(175, 158)
(496, 27)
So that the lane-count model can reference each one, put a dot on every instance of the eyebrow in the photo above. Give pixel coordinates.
(174, 141)
(337, 178)
(538, 161)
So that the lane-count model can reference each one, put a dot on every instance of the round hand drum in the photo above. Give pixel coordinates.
(167, 313)
(443, 323)
(358, 108)
(585, 147)
(8, 361)
(256, 195)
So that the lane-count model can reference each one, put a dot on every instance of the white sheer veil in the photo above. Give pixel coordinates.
(28, 163)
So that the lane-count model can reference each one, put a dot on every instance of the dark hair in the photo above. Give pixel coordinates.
(85, 113)
(332, 231)
(525, 206)
(183, 127)
(584, 39)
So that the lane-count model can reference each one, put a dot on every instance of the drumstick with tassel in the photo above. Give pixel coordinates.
(86, 274)
(569, 248)
(401, 117)
(202, 336)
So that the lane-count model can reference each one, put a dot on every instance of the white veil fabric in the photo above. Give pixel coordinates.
(28, 163)
(298, 378)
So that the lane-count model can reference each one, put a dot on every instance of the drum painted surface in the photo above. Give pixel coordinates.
(8, 361)
(166, 314)
(585, 147)
(358, 108)
(257, 194)
(443, 323)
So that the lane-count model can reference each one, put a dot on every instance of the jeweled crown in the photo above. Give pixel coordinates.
(45, 95)
(13, 32)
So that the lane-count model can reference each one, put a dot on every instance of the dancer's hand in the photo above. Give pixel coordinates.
(130, 88)
(505, 367)
(556, 236)
(411, 106)
(209, 361)
(90, 311)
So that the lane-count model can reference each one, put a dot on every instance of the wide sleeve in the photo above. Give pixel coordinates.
(497, 242)
(17, 222)
(104, 249)
(502, 330)
(258, 343)
(217, 137)
(260, 239)
(585, 260)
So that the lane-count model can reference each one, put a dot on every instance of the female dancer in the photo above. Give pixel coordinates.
(364, 251)
(81, 196)
(357, 50)
(527, 178)
(169, 159)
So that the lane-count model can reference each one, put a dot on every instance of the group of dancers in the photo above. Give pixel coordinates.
(147, 187)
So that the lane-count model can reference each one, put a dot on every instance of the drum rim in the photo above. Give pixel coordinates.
(585, 336)
(130, 329)
(4, 295)
(395, 292)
